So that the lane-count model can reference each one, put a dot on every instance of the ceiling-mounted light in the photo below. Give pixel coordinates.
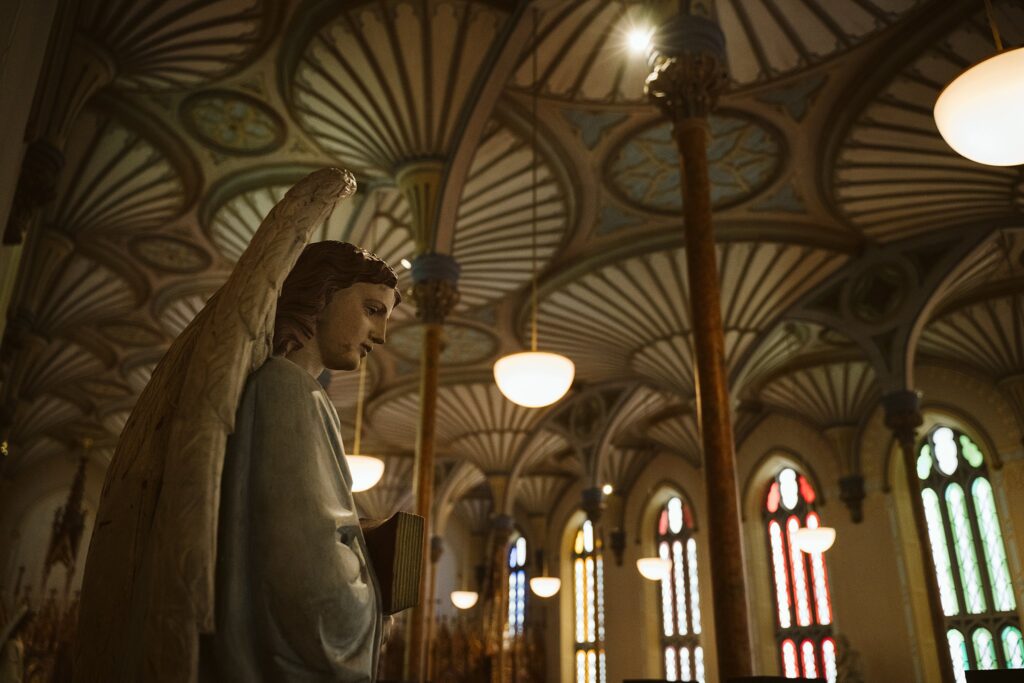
(654, 568)
(607, 489)
(406, 263)
(639, 39)
(533, 378)
(979, 114)
(545, 586)
(464, 599)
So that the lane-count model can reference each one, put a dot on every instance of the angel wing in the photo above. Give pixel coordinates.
(148, 589)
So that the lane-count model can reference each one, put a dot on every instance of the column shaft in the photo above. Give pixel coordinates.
(732, 635)
(423, 488)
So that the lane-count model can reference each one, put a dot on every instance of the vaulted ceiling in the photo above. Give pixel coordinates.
(824, 160)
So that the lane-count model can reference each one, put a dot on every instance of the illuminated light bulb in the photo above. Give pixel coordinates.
(545, 586)
(534, 379)
(464, 599)
(607, 489)
(654, 568)
(406, 263)
(639, 40)
(979, 114)
(366, 471)
(814, 540)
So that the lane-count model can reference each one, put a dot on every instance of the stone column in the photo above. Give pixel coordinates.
(436, 550)
(689, 72)
(903, 417)
(435, 290)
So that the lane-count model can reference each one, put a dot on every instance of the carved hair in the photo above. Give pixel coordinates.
(322, 269)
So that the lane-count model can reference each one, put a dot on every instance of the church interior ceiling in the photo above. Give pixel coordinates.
(199, 116)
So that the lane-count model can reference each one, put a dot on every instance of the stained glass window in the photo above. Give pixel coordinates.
(803, 603)
(679, 593)
(516, 587)
(975, 590)
(588, 604)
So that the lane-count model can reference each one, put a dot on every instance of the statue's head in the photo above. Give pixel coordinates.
(338, 297)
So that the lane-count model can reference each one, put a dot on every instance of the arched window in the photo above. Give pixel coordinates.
(680, 595)
(975, 589)
(803, 605)
(516, 587)
(588, 600)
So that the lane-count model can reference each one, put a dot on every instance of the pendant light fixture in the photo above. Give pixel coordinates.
(814, 539)
(654, 568)
(979, 114)
(464, 599)
(533, 378)
(544, 586)
(366, 470)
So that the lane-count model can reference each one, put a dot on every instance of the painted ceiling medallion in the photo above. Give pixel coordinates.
(170, 254)
(744, 156)
(464, 345)
(233, 123)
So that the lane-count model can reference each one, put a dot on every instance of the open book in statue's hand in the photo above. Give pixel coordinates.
(396, 556)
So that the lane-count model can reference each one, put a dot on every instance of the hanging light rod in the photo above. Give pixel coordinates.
(979, 113)
(533, 378)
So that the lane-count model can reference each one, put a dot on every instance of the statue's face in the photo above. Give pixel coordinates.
(352, 323)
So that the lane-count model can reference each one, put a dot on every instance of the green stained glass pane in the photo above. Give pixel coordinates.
(992, 541)
(940, 553)
(984, 648)
(958, 653)
(924, 462)
(963, 542)
(1013, 647)
(971, 451)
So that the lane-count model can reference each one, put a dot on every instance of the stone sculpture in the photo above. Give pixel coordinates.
(262, 576)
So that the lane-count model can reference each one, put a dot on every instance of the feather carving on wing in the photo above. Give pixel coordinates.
(148, 589)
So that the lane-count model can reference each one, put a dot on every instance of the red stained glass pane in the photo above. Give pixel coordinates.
(806, 490)
(663, 523)
(773, 497)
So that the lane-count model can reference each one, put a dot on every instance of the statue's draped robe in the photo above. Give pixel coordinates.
(296, 597)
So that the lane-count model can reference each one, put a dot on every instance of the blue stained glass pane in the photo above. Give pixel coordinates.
(940, 553)
(992, 541)
(1013, 647)
(963, 541)
(984, 648)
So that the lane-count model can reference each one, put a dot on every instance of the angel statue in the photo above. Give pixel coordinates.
(227, 545)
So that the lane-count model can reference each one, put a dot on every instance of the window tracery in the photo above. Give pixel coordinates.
(803, 601)
(516, 587)
(588, 603)
(975, 589)
(679, 594)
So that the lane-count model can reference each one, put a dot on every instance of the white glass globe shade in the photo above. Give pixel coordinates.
(545, 586)
(816, 540)
(464, 599)
(980, 113)
(534, 379)
(654, 568)
(366, 471)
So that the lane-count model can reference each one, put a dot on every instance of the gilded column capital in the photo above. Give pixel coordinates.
(688, 68)
(435, 286)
